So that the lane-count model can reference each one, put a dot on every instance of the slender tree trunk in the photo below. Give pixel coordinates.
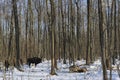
(119, 27)
(59, 28)
(101, 33)
(1, 37)
(52, 37)
(108, 60)
(14, 2)
(115, 33)
(88, 33)
(63, 33)
(26, 35)
(78, 30)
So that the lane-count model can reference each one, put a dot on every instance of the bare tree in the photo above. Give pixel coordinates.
(0, 38)
(115, 33)
(53, 37)
(14, 2)
(101, 33)
(88, 32)
(78, 48)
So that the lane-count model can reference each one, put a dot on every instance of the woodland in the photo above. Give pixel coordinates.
(60, 29)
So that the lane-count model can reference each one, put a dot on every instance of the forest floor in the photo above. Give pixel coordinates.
(42, 72)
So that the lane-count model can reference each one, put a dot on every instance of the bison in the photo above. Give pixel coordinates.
(34, 60)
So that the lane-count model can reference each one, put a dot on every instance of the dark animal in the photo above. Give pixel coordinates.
(34, 60)
(6, 65)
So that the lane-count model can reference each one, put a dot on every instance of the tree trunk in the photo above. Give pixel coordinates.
(101, 33)
(53, 37)
(14, 2)
(88, 33)
(115, 34)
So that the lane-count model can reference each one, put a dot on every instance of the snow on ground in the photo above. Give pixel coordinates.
(42, 70)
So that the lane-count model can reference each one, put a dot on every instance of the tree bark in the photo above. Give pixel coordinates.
(101, 34)
(14, 2)
(53, 37)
